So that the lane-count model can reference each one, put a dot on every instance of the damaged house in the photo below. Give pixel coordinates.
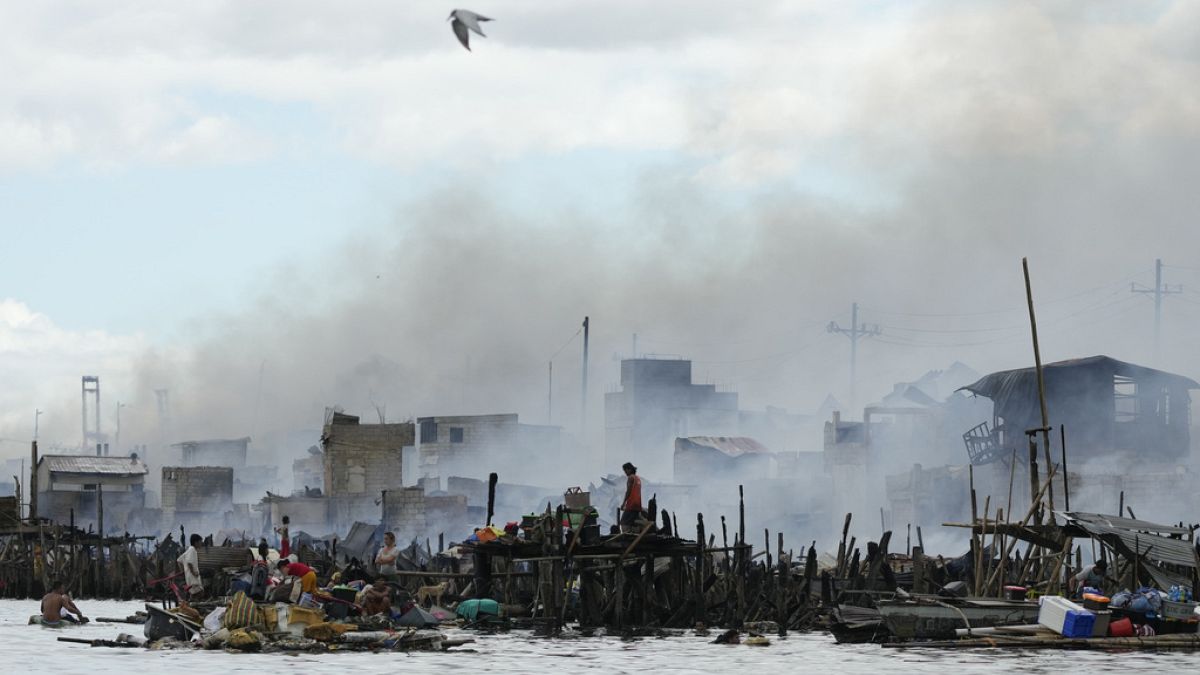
(1107, 406)
(72, 487)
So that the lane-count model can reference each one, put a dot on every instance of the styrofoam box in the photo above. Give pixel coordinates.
(1053, 612)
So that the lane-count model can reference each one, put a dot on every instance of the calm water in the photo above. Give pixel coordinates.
(35, 649)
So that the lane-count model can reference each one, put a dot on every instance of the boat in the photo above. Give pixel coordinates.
(37, 620)
(934, 618)
(851, 624)
(163, 624)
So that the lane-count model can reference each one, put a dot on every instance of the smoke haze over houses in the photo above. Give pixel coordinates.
(276, 209)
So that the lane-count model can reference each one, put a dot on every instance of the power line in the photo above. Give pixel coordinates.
(855, 332)
(1160, 289)
(1015, 309)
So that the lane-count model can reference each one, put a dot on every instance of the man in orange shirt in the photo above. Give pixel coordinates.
(631, 507)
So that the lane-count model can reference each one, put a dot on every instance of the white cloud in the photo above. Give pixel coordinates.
(755, 93)
(43, 363)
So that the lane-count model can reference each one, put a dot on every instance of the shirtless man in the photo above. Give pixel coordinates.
(378, 598)
(56, 605)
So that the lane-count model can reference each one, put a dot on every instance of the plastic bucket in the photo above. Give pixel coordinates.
(1120, 628)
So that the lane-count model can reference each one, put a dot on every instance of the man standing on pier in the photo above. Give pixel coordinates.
(189, 562)
(631, 507)
(57, 607)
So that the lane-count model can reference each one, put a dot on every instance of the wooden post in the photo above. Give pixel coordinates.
(491, 503)
(33, 484)
(920, 582)
(725, 545)
(1037, 351)
(1062, 433)
(701, 612)
(1041, 382)
(741, 528)
(782, 588)
(841, 553)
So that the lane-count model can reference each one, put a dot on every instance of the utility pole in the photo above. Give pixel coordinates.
(1160, 289)
(854, 332)
(583, 399)
(550, 396)
(118, 438)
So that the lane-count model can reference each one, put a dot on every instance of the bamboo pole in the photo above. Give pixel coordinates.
(1029, 514)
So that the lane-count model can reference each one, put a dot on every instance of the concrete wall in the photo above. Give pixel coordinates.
(198, 495)
(473, 446)
(215, 452)
(308, 514)
(363, 458)
(308, 472)
(657, 403)
(404, 512)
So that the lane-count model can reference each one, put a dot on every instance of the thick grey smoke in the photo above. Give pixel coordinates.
(910, 175)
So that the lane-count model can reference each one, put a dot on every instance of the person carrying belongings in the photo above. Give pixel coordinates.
(631, 506)
(306, 574)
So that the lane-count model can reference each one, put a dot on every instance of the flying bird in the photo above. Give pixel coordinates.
(463, 20)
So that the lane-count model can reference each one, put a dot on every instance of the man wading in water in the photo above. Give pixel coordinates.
(56, 606)
(631, 508)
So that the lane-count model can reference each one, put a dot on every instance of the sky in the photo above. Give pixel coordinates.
(269, 208)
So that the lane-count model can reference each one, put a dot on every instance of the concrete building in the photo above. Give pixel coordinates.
(472, 446)
(76, 482)
(363, 459)
(308, 473)
(196, 496)
(656, 404)
(214, 452)
(410, 512)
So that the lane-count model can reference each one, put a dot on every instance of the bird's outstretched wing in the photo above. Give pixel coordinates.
(471, 20)
(460, 31)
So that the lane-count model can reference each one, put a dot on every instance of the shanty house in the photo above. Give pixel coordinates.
(76, 482)
(1107, 406)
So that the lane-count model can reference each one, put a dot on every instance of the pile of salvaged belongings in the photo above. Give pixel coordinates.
(242, 625)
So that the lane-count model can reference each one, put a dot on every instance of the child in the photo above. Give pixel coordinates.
(285, 542)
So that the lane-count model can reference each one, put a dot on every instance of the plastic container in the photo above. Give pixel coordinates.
(1120, 628)
(576, 498)
(1184, 611)
(1015, 593)
(1078, 624)
(282, 611)
(1065, 617)
(1100, 627)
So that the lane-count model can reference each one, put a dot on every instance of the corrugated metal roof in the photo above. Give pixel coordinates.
(1153, 547)
(1125, 523)
(112, 466)
(734, 446)
(1021, 385)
